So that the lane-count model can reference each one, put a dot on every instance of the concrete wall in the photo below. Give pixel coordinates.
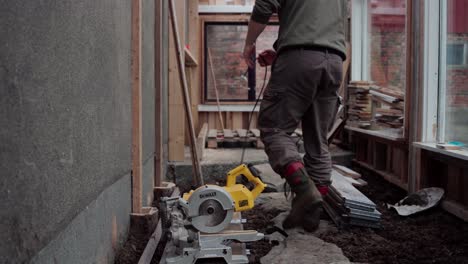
(65, 133)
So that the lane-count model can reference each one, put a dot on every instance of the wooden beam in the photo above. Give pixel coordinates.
(194, 42)
(197, 172)
(176, 113)
(136, 108)
(201, 140)
(158, 125)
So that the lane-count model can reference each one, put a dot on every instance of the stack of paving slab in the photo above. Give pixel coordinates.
(388, 106)
(347, 206)
(359, 104)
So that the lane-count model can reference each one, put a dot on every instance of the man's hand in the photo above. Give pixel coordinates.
(266, 57)
(249, 50)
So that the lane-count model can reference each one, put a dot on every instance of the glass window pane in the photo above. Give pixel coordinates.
(456, 72)
(265, 41)
(225, 42)
(387, 62)
(387, 42)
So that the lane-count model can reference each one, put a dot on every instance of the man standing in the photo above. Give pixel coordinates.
(306, 74)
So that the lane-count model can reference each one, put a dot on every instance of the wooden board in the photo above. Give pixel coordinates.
(158, 100)
(201, 140)
(136, 108)
(194, 43)
(176, 113)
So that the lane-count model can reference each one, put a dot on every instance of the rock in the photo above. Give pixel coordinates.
(273, 202)
(305, 248)
(269, 176)
(278, 237)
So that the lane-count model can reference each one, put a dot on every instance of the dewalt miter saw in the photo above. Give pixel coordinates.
(198, 222)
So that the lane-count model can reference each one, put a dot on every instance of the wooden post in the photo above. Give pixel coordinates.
(136, 108)
(198, 177)
(158, 126)
(194, 41)
(177, 127)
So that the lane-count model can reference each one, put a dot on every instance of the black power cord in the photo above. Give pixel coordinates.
(251, 114)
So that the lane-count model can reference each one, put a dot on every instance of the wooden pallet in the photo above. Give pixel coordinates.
(237, 138)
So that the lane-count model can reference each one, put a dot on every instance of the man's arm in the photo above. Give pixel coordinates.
(261, 14)
(255, 29)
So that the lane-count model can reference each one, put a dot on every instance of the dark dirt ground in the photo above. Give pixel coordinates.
(433, 236)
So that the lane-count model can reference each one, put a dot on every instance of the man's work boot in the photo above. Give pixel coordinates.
(307, 203)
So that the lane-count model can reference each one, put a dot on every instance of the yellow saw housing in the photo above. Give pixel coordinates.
(243, 197)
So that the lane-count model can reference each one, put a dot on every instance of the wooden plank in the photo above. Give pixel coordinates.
(237, 120)
(212, 138)
(197, 172)
(201, 140)
(194, 43)
(158, 101)
(228, 119)
(176, 135)
(212, 121)
(136, 108)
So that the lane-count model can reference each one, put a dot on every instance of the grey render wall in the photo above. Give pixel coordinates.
(65, 115)
(148, 92)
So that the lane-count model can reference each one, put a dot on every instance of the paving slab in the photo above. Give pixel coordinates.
(301, 247)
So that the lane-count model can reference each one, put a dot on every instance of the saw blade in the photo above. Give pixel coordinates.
(213, 212)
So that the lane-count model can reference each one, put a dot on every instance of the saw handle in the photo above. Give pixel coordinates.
(252, 177)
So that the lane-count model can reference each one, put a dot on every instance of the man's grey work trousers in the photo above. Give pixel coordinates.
(302, 88)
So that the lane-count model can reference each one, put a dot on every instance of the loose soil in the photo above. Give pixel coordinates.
(433, 236)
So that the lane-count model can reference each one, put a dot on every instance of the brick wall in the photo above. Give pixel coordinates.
(226, 43)
(388, 43)
(388, 56)
(457, 97)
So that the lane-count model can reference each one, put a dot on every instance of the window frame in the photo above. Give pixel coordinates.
(435, 72)
(361, 51)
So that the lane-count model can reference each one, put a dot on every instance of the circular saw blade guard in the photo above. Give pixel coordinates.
(210, 208)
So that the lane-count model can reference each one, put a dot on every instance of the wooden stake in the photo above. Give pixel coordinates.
(198, 176)
(216, 90)
(136, 108)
